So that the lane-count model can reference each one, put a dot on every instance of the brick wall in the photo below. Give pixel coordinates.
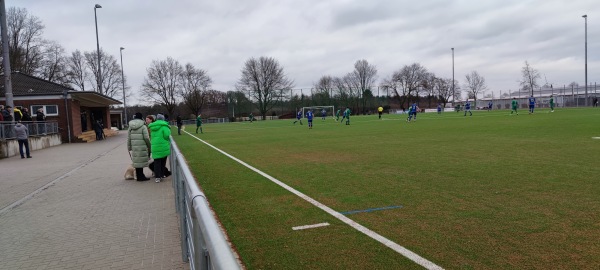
(74, 115)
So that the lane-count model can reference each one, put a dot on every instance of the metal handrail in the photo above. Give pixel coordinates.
(203, 243)
(34, 128)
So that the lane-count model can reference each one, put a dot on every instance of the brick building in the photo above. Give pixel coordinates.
(75, 111)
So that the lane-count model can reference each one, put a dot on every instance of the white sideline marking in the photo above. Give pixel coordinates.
(379, 238)
(310, 226)
(596, 138)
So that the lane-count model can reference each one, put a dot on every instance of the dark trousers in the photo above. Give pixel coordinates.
(139, 174)
(26, 144)
(160, 167)
(179, 129)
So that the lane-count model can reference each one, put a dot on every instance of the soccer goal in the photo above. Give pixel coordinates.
(319, 110)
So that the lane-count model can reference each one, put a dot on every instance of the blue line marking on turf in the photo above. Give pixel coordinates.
(370, 210)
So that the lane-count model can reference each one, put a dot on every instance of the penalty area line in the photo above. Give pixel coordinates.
(377, 237)
(310, 226)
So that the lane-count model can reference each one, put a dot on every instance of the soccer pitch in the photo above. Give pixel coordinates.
(488, 191)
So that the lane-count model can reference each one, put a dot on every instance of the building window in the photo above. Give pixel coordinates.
(49, 110)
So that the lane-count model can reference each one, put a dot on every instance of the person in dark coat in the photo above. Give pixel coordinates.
(26, 115)
(6, 113)
(98, 129)
(40, 116)
(179, 124)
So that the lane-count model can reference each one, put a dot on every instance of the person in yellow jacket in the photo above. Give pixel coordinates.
(380, 111)
(18, 114)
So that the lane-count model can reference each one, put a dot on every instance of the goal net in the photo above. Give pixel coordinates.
(319, 111)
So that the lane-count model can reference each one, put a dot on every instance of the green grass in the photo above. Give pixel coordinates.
(491, 191)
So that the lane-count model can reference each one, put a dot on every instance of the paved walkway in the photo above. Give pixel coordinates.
(68, 207)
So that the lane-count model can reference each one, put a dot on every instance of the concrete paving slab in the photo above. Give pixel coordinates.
(89, 217)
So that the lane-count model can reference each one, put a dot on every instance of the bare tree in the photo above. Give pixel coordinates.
(475, 84)
(262, 78)
(215, 97)
(194, 84)
(53, 65)
(365, 75)
(443, 89)
(428, 86)
(348, 90)
(457, 90)
(530, 77)
(408, 79)
(77, 72)
(112, 79)
(111, 72)
(238, 102)
(324, 87)
(25, 40)
(162, 83)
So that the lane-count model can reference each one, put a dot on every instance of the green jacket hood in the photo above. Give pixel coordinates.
(158, 124)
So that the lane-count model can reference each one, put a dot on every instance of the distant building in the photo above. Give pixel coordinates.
(565, 96)
(75, 111)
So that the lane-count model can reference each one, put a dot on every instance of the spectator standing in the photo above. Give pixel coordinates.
(138, 144)
(18, 114)
(6, 114)
(1, 114)
(161, 145)
(179, 124)
(41, 117)
(26, 115)
(23, 138)
(98, 129)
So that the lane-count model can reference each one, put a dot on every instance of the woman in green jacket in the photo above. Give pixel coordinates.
(161, 145)
(138, 143)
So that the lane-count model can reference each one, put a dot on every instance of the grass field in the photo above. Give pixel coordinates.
(491, 191)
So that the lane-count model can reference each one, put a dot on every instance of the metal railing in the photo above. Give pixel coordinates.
(203, 243)
(35, 129)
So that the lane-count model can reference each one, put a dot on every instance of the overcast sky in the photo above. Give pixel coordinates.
(312, 38)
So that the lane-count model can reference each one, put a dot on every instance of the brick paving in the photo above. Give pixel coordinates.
(89, 218)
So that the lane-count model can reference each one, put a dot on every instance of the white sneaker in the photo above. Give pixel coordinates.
(157, 180)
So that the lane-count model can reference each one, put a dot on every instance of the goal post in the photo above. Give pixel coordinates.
(317, 111)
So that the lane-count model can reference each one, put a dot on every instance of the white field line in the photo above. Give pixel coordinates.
(310, 226)
(596, 138)
(389, 243)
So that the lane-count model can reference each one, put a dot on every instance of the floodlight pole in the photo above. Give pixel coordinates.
(98, 47)
(8, 94)
(586, 69)
(453, 94)
(123, 80)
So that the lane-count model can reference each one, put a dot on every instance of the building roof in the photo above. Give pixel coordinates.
(93, 99)
(27, 85)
